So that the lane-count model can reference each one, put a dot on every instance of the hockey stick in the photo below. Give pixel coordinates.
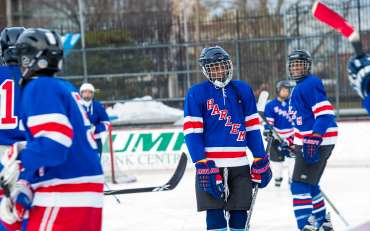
(170, 185)
(261, 103)
(328, 16)
(334, 208)
(254, 196)
(115, 197)
(261, 108)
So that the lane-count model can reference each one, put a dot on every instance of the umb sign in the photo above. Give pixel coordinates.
(145, 148)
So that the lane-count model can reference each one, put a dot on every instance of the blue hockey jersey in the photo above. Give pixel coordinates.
(220, 124)
(311, 111)
(98, 117)
(276, 113)
(60, 158)
(9, 105)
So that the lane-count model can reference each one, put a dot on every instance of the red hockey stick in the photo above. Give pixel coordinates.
(337, 22)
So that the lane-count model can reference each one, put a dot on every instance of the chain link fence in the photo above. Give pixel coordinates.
(155, 51)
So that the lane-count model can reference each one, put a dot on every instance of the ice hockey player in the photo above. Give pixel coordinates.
(315, 136)
(98, 116)
(276, 113)
(9, 77)
(56, 177)
(220, 123)
(359, 77)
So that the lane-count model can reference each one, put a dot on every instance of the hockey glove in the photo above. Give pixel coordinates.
(14, 209)
(284, 149)
(260, 172)
(209, 178)
(311, 145)
(359, 74)
(267, 133)
(10, 167)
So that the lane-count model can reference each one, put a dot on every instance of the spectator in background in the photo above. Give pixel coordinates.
(96, 112)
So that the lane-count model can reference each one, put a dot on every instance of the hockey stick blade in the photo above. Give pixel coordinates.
(328, 16)
(262, 100)
(170, 185)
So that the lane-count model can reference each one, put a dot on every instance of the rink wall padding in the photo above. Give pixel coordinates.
(160, 148)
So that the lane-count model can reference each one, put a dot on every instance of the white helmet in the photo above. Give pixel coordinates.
(87, 87)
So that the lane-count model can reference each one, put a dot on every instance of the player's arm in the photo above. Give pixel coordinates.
(269, 114)
(193, 126)
(104, 121)
(260, 170)
(322, 109)
(252, 123)
(49, 127)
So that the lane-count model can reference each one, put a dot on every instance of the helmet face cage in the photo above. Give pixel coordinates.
(299, 68)
(219, 73)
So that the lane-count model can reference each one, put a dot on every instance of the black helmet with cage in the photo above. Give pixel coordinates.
(299, 64)
(216, 65)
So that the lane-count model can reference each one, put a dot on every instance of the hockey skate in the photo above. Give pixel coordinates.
(327, 225)
(311, 224)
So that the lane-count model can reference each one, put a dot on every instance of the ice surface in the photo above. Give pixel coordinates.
(345, 181)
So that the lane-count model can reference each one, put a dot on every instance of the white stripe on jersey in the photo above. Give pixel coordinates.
(48, 118)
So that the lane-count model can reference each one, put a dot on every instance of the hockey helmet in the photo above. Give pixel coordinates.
(87, 87)
(8, 37)
(282, 84)
(40, 52)
(216, 65)
(299, 64)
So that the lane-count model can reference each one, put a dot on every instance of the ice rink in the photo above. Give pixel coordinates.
(345, 181)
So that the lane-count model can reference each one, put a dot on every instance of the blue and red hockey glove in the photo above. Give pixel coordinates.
(260, 172)
(359, 77)
(311, 145)
(209, 178)
(15, 208)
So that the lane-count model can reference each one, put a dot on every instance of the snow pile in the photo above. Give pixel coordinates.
(143, 110)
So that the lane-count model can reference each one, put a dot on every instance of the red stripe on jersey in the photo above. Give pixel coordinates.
(252, 122)
(328, 134)
(318, 205)
(225, 154)
(302, 202)
(80, 187)
(190, 124)
(52, 127)
(285, 132)
(323, 108)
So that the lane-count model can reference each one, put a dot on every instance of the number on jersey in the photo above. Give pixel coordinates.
(8, 120)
